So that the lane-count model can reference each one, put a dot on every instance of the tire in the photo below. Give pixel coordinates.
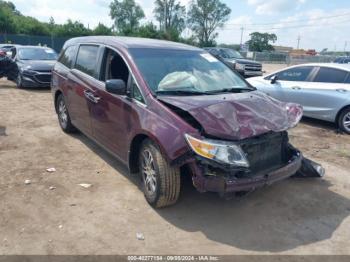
(63, 115)
(155, 171)
(19, 81)
(344, 120)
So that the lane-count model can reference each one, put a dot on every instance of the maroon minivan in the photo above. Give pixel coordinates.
(168, 110)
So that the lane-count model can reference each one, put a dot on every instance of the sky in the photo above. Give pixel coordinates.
(319, 23)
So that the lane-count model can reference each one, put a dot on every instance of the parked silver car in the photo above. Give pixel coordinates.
(322, 89)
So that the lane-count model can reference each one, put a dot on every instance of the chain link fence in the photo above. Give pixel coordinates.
(55, 43)
(285, 58)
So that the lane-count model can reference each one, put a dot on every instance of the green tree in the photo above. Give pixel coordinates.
(148, 30)
(10, 6)
(171, 16)
(259, 42)
(126, 15)
(72, 29)
(6, 21)
(101, 29)
(205, 17)
(30, 26)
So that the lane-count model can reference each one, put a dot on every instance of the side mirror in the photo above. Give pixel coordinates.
(274, 79)
(116, 86)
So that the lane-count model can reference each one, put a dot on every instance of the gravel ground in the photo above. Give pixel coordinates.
(54, 215)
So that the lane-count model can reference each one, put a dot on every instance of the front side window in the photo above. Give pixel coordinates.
(87, 59)
(136, 93)
(230, 53)
(67, 57)
(295, 74)
(185, 71)
(330, 75)
(37, 54)
(114, 67)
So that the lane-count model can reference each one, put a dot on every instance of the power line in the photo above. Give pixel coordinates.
(289, 22)
(287, 27)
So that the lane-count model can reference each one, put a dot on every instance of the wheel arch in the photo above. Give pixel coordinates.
(135, 147)
(339, 113)
(57, 93)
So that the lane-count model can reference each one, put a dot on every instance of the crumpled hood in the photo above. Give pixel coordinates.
(238, 116)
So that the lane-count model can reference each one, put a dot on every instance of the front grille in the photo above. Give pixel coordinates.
(266, 152)
(43, 78)
(253, 67)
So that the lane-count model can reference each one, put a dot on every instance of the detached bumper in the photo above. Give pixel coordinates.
(226, 184)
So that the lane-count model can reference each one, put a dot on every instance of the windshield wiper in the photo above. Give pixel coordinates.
(230, 90)
(180, 92)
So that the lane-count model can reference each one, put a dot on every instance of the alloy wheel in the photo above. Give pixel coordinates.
(62, 113)
(149, 172)
(346, 121)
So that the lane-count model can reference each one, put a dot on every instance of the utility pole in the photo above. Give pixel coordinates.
(242, 30)
(345, 45)
(165, 14)
(298, 41)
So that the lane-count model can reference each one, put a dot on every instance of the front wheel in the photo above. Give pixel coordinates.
(19, 81)
(161, 182)
(344, 120)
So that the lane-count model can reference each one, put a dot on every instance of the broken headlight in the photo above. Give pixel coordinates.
(295, 113)
(219, 151)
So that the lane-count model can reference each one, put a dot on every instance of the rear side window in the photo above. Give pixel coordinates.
(330, 75)
(87, 59)
(67, 57)
(295, 74)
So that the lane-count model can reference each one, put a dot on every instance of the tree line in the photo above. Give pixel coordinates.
(203, 18)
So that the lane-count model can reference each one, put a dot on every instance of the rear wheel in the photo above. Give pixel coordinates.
(161, 182)
(344, 120)
(63, 115)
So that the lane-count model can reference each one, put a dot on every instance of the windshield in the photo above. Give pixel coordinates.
(185, 71)
(229, 53)
(37, 54)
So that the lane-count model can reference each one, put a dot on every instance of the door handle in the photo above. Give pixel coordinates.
(91, 97)
(341, 90)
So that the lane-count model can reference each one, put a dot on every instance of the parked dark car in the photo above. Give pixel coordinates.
(342, 60)
(35, 65)
(236, 61)
(5, 49)
(168, 110)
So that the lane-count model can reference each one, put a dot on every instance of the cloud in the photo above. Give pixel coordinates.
(269, 7)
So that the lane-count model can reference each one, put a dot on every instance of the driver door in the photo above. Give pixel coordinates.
(110, 114)
(291, 83)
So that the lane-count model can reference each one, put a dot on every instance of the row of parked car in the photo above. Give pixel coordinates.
(167, 109)
(322, 89)
(34, 64)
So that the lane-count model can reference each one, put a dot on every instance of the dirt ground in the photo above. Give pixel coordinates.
(296, 216)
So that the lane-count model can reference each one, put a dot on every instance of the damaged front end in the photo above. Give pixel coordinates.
(243, 142)
(267, 159)
(258, 162)
(8, 68)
